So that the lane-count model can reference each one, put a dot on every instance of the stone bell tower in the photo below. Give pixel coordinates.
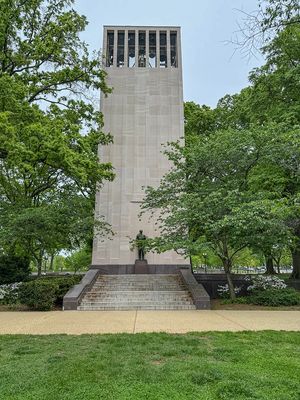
(144, 111)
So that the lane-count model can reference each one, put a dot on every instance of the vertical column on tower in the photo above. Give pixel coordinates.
(136, 47)
(157, 49)
(115, 47)
(147, 48)
(168, 49)
(104, 50)
(126, 48)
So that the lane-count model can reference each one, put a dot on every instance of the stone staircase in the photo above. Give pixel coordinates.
(137, 292)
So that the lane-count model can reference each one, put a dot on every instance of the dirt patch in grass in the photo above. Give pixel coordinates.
(157, 362)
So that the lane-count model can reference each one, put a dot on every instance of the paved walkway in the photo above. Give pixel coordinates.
(79, 322)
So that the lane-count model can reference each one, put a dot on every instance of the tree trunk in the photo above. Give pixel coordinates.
(227, 269)
(51, 261)
(39, 265)
(278, 268)
(277, 264)
(39, 262)
(231, 286)
(45, 265)
(191, 264)
(296, 263)
(269, 265)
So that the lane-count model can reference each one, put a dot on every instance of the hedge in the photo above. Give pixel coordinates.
(46, 292)
(275, 297)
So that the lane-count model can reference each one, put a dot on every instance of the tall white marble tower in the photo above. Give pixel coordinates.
(145, 110)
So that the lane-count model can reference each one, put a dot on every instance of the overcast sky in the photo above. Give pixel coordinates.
(211, 69)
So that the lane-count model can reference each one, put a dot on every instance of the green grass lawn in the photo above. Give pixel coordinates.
(233, 366)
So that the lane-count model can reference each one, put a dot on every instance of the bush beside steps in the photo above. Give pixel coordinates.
(43, 294)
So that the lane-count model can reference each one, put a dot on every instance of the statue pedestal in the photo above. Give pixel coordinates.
(141, 267)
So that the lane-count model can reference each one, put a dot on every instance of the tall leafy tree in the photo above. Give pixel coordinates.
(50, 127)
(206, 200)
(273, 101)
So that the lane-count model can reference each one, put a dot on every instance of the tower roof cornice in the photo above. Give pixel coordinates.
(142, 26)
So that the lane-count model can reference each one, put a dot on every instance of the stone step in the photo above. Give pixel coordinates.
(144, 307)
(144, 279)
(137, 292)
(137, 278)
(133, 303)
(135, 300)
(139, 295)
(159, 283)
(137, 289)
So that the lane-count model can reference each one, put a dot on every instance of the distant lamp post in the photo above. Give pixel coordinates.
(205, 261)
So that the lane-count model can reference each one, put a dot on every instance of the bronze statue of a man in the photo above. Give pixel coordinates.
(140, 241)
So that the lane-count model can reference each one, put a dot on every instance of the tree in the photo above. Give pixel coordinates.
(269, 110)
(272, 101)
(41, 48)
(49, 127)
(79, 260)
(13, 269)
(261, 26)
(199, 120)
(206, 200)
(39, 232)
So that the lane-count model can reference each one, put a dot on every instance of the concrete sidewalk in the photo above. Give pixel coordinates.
(79, 322)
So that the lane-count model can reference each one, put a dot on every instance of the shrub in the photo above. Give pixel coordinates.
(262, 282)
(223, 291)
(38, 294)
(275, 297)
(63, 283)
(46, 292)
(13, 269)
(9, 293)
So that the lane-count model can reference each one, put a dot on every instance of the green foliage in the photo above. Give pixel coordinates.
(199, 120)
(247, 258)
(79, 260)
(275, 297)
(235, 185)
(207, 200)
(238, 300)
(46, 292)
(63, 284)
(49, 129)
(58, 263)
(13, 269)
(38, 294)
(9, 293)
(244, 258)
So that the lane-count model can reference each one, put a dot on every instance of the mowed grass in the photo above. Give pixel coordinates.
(233, 366)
